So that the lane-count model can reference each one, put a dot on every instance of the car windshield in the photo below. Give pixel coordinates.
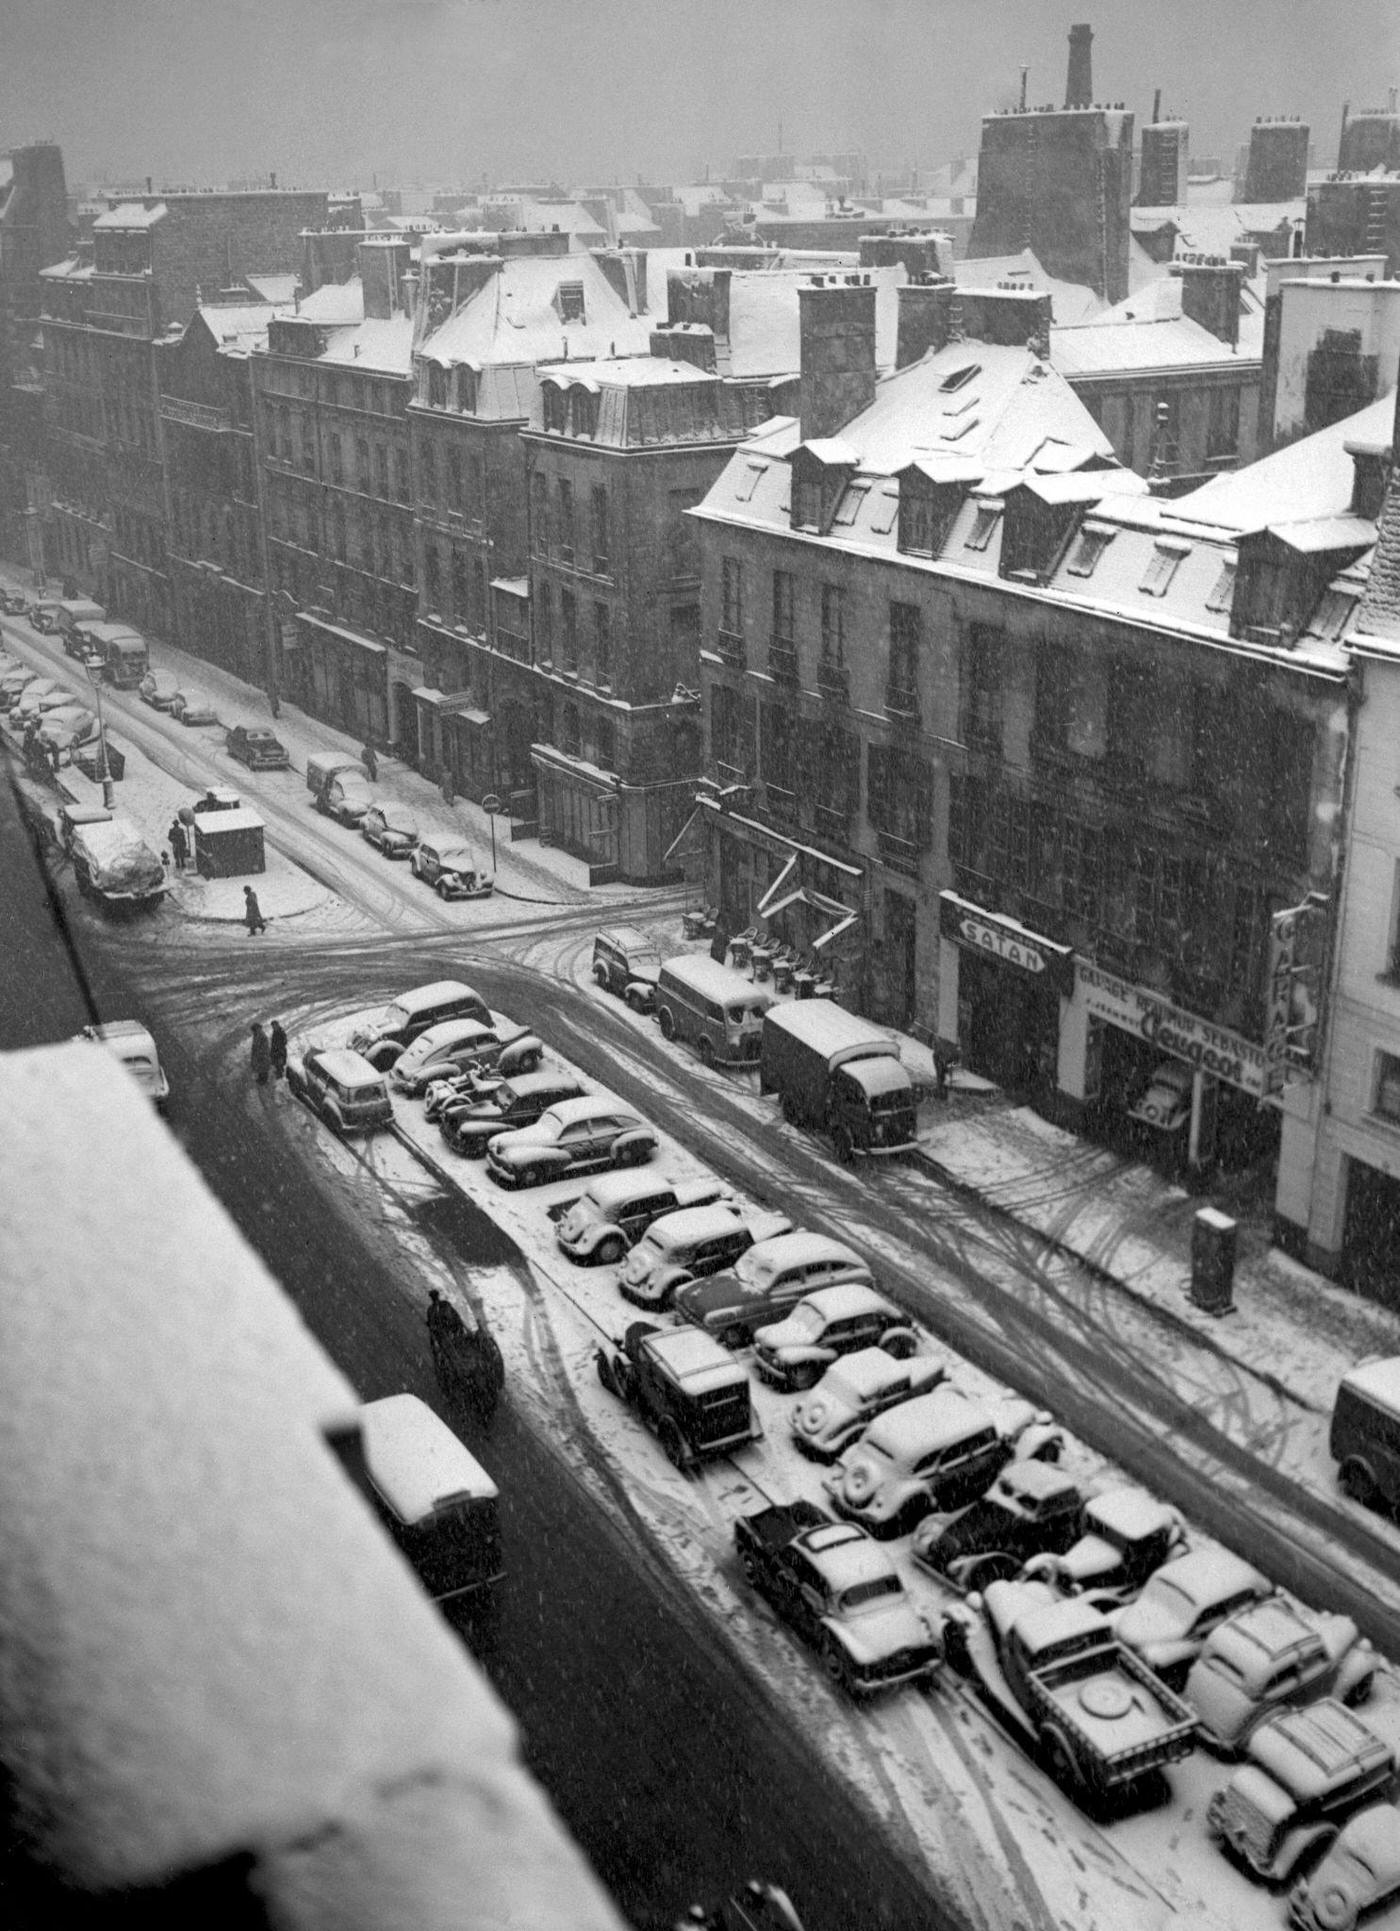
(548, 1126)
(644, 963)
(754, 1272)
(871, 1591)
(1170, 1599)
(805, 1321)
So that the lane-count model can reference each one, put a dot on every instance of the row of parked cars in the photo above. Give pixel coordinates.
(340, 789)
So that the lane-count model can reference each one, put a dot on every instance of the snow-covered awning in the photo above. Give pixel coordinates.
(783, 893)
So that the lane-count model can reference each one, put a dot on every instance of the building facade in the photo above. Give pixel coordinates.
(33, 233)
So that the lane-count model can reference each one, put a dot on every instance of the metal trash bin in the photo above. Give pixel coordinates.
(1213, 1261)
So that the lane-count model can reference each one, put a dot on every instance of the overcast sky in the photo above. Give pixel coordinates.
(335, 92)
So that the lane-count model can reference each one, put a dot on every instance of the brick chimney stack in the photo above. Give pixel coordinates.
(928, 317)
(1079, 85)
(837, 355)
(1011, 317)
(1210, 295)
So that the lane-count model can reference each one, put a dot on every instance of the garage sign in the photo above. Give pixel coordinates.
(1225, 1055)
(1005, 939)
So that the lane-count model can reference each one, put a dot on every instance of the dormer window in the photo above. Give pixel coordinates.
(1166, 560)
(926, 513)
(985, 526)
(848, 509)
(568, 301)
(807, 502)
(556, 409)
(466, 390)
(959, 378)
(437, 386)
(1094, 539)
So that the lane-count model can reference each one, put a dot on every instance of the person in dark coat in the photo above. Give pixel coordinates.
(370, 762)
(252, 912)
(179, 843)
(277, 1041)
(261, 1054)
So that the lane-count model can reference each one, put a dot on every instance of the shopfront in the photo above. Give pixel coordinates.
(344, 678)
(1001, 990)
(815, 903)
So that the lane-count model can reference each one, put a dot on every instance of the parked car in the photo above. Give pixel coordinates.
(841, 1593)
(469, 1129)
(128, 1041)
(450, 868)
(615, 1210)
(684, 1387)
(574, 1135)
(691, 1244)
(346, 797)
(626, 962)
(1030, 1507)
(14, 683)
(14, 603)
(1125, 1535)
(853, 1391)
(445, 1050)
(158, 688)
(1165, 1102)
(68, 727)
(766, 1282)
(391, 828)
(256, 748)
(1358, 1876)
(1365, 1434)
(1269, 1656)
(938, 1452)
(831, 1321)
(347, 1092)
(382, 1035)
(192, 707)
(25, 702)
(1182, 1603)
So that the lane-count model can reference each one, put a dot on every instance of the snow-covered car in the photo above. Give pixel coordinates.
(158, 688)
(39, 694)
(690, 1244)
(192, 707)
(852, 1392)
(346, 798)
(349, 1094)
(390, 827)
(831, 1321)
(1031, 1506)
(470, 1127)
(626, 961)
(766, 1283)
(1358, 1876)
(1125, 1536)
(67, 727)
(939, 1451)
(442, 1051)
(14, 683)
(256, 748)
(450, 868)
(1165, 1102)
(590, 1132)
(1268, 1656)
(14, 603)
(130, 1043)
(1181, 1604)
(839, 1591)
(615, 1210)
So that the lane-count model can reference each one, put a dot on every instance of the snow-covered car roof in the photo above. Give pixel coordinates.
(878, 1074)
(442, 1038)
(1130, 1513)
(696, 1359)
(417, 997)
(844, 1301)
(590, 1106)
(396, 817)
(1252, 1639)
(1379, 1380)
(1203, 1577)
(926, 1423)
(416, 1462)
(452, 857)
(845, 1555)
(863, 1374)
(1032, 1481)
(796, 1250)
(1041, 1618)
(1307, 1749)
(609, 1191)
(347, 1068)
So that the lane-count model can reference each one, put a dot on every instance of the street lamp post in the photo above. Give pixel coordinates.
(104, 770)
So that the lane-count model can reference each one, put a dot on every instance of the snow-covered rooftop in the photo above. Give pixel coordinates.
(516, 318)
(383, 343)
(1312, 477)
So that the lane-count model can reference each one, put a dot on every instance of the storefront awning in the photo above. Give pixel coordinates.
(783, 892)
(769, 836)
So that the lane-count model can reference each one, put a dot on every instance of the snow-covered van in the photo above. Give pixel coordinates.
(113, 864)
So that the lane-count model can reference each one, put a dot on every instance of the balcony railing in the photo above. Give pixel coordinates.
(730, 645)
(900, 854)
(902, 703)
(782, 661)
(781, 802)
(834, 822)
(831, 681)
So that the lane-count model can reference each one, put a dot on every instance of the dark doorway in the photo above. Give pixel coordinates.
(901, 924)
(1371, 1237)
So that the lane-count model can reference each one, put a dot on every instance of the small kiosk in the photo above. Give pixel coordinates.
(228, 844)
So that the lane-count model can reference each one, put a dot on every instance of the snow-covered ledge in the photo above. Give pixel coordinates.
(210, 1658)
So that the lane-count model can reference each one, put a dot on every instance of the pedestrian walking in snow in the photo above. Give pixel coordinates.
(261, 1054)
(274, 705)
(449, 789)
(277, 1041)
(252, 912)
(370, 762)
(179, 843)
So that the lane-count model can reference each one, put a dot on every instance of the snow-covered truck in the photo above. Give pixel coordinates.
(113, 864)
(1054, 1671)
(837, 1072)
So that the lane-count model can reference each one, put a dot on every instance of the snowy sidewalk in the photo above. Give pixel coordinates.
(1290, 1326)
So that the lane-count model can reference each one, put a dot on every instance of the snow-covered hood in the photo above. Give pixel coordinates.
(881, 1629)
(1091, 1557)
(1148, 1624)
(1223, 1707)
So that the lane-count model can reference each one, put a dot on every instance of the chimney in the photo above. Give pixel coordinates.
(1079, 87)
(837, 334)
(926, 318)
(1009, 317)
(917, 253)
(1370, 471)
(381, 267)
(1210, 295)
(686, 342)
(626, 272)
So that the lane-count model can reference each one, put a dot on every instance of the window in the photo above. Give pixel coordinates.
(1392, 951)
(459, 587)
(1291, 747)
(726, 727)
(539, 514)
(731, 605)
(434, 577)
(600, 530)
(466, 390)
(885, 512)
(381, 468)
(984, 527)
(605, 738)
(568, 730)
(748, 481)
(566, 519)
(776, 745)
(899, 794)
(1388, 1086)
(544, 623)
(833, 625)
(454, 480)
(427, 466)
(1223, 422)
(806, 503)
(568, 301)
(476, 604)
(848, 509)
(556, 409)
(959, 378)
(906, 646)
(1165, 562)
(602, 644)
(1223, 595)
(336, 455)
(401, 475)
(437, 386)
(982, 674)
(568, 630)
(1094, 539)
(784, 605)
(1081, 873)
(683, 534)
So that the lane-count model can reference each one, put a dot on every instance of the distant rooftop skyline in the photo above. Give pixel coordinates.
(335, 92)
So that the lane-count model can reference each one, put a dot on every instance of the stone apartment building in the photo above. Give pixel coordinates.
(1038, 754)
(149, 265)
(33, 233)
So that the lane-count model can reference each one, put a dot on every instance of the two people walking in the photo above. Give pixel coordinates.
(268, 1051)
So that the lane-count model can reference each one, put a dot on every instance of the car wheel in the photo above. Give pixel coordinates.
(705, 1047)
(734, 1337)
(673, 1442)
(898, 1345)
(332, 1120)
(1357, 1481)
(843, 1143)
(636, 1001)
(801, 1379)
(1059, 1756)
(610, 1250)
(957, 1651)
(532, 1177)
(666, 1022)
(749, 1564)
(1333, 1909)
(600, 977)
(834, 1663)
(605, 1373)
